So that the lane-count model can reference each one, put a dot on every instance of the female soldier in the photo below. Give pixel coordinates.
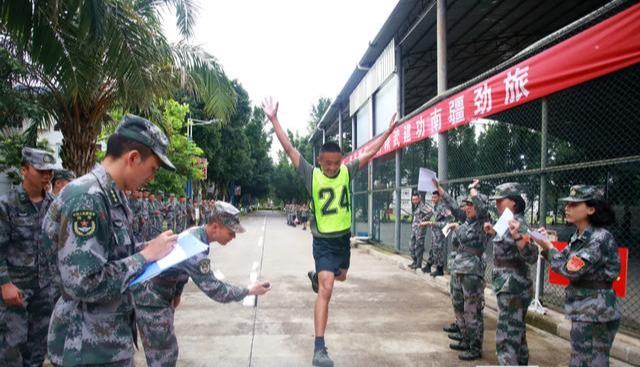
(591, 263)
(468, 288)
(511, 280)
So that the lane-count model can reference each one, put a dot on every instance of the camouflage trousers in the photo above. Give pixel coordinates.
(468, 303)
(158, 335)
(417, 246)
(511, 336)
(437, 249)
(123, 363)
(591, 343)
(23, 330)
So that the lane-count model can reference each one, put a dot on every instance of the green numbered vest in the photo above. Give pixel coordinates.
(331, 201)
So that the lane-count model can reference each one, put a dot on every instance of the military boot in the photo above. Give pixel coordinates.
(452, 328)
(469, 355)
(414, 265)
(461, 346)
(427, 268)
(438, 272)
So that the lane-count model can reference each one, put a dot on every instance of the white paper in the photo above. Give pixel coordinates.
(446, 230)
(176, 256)
(425, 180)
(503, 223)
(537, 235)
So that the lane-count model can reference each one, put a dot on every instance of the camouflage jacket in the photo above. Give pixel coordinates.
(23, 260)
(161, 290)
(145, 217)
(181, 217)
(170, 214)
(507, 279)
(442, 215)
(596, 254)
(421, 214)
(469, 240)
(90, 226)
(155, 218)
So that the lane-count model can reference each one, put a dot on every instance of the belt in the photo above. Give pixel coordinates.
(513, 264)
(474, 251)
(591, 284)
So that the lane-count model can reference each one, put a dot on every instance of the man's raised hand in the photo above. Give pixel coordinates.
(270, 108)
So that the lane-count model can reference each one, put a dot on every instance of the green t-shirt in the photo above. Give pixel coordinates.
(305, 170)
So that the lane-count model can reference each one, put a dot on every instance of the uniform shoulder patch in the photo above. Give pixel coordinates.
(575, 263)
(84, 223)
(205, 266)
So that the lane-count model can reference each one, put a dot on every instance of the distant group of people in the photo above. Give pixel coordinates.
(152, 213)
(297, 214)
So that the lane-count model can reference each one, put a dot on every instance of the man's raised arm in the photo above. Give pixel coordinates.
(271, 110)
(377, 144)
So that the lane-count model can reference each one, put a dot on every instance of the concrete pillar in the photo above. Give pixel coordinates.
(441, 65)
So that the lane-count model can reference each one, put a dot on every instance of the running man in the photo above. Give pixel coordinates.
(329, 187)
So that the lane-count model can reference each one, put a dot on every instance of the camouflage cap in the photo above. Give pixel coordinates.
(506, 190)
(63, 174)
(230, 216)
(39, 159)
(143, 131)
(580, 193)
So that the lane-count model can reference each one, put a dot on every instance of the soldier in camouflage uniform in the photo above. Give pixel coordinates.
(468, 272)
(591, 263)
(181, 215)
(89, 225)
(442, 215)
(155, 217)
(25, 274)
(511, 280)
(157, 298)
(135, 204)
(202, 212)
(145, 217)
(170, 212)
(61, 177)
(421, 214)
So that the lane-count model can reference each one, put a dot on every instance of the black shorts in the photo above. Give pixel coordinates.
(332, 254)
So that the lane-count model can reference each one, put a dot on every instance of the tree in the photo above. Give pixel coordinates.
(89, 57)
(317, 112)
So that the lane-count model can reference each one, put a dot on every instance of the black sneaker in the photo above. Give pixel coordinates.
(456, 337)
(452, 328)
(321, 358)
(461, 346)
(469, 355)
(313, 277)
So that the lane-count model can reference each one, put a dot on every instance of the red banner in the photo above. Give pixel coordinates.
(619, 285)
(604, 48)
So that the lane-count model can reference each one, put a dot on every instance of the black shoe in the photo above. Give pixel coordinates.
(413, 265)
(438, 272)
(461, 346)
(321, 358)
(313, 277)
(453, 328)
(427, 268)
(456, 337)
(469, 355)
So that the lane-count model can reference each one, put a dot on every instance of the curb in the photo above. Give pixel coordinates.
(625, 348)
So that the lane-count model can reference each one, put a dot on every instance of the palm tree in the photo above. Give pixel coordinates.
(88, 57)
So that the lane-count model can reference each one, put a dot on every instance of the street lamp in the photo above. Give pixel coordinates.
(190, 125)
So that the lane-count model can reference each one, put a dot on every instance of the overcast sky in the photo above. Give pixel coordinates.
(293, 50)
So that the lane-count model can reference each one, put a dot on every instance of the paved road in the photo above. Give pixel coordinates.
(382, 316)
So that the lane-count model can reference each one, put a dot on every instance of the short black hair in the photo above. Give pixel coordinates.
(416, 194)
(604, 215)
(436, 193)
(330, 147)
(118, 145)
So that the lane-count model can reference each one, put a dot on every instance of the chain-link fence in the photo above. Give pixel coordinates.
(588, 134)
